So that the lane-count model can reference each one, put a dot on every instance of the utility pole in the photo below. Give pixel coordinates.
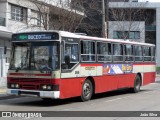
(104, 30)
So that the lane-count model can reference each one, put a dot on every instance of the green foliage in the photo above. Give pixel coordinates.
(158, 68)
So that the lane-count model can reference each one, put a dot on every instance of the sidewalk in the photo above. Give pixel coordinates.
(4, 95)
(3, 90)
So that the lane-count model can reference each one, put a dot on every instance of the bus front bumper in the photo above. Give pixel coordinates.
(42, 94)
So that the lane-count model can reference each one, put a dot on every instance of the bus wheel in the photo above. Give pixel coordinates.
(137, 84)
(87, 90)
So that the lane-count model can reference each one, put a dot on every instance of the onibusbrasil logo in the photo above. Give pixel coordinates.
(22, 114)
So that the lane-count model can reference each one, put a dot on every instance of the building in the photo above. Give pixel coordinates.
(26, 15)
(126, 19)
(16, 16)
(142, 27)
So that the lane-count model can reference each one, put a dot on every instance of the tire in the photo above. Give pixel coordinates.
(87, 90)
(137, 84)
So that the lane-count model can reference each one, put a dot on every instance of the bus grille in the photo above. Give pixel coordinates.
(29, 87)
(33, 80)
(30, 83)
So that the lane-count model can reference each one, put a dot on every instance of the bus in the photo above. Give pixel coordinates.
(59, 65)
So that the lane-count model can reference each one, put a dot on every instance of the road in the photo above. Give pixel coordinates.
(148, 99)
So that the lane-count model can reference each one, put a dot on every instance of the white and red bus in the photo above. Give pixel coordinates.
(59, 65)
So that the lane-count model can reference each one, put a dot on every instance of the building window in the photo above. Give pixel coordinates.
(18, 13)
(36, 18)
(126, 34)
(134, 35)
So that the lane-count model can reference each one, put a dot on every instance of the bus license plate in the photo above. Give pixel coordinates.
(14, 91)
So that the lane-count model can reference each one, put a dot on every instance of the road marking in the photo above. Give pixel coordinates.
(117, 99)
(111, 100)
(127, 96)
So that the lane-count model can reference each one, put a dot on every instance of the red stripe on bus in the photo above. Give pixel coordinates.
(23, 74)
(92, 64)
(42, 74)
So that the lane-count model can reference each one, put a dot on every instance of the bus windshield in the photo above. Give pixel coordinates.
(41, 56)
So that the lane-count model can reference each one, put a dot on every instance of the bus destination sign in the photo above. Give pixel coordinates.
(35, 36)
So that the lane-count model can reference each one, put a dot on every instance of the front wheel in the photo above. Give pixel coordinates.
(87, 90)
(137, 84)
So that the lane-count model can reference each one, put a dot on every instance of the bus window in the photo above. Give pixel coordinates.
(128, 52)
(71, 50)
(153, 53)
(104, 52)
(70, 55)
(147, 53)
(45, 56)
(138, 53)
(88, 51)
(117, 52)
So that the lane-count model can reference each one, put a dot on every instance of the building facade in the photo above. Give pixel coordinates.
(144, 26)
(21, 16)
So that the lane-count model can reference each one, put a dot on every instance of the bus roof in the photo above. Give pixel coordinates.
(74, 35)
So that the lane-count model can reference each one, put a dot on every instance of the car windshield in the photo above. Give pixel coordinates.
(42, 56)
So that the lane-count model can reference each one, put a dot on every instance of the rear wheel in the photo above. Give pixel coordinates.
(87, 90)
(137, 84)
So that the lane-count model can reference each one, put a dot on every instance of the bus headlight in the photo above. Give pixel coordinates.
(46, 87)
(12, 85)
(15, 86)
(49, 87)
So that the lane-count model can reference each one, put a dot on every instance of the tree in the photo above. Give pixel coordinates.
(56, 15)
(67, 17)
(92, 23)
(127, 19)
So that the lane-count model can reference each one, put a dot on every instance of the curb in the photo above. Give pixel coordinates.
(4, 95)
(3, 91)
